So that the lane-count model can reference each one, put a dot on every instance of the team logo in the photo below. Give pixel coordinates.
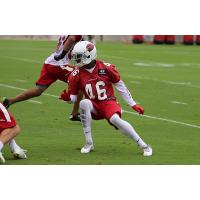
(102, 72)
(90, 47)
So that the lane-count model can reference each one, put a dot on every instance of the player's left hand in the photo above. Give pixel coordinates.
(138, 109)
(65, 96)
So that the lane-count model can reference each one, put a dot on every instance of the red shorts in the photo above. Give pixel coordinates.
(6, 119)
(50, 73)
(106, 109)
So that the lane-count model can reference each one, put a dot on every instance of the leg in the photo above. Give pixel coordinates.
(8, 130)
(75, 115)
(8, 134)
(5, 136)
(126, 128)
(86, 108)
(8, 127)
(92, 39)
(27, 94)
(101, 38)
(89, 37)
(44, 81)
(13, 145)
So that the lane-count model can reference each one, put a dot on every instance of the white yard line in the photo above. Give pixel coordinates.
(33, 101)
(25, 48)
(147, 116)
(163, 119)
(181, 83)
(135, 82)
(23, 89)
(11, 87)
(153, 64)
(140, 62)
(50, 95)
(23, 59)
(178, 102)
(21, 81)
(187, 84)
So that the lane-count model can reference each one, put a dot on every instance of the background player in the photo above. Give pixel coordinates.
(95, 78)
(8, 130)
(55, 68)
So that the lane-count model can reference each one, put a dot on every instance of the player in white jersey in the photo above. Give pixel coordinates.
(56, 67)
(61, 55)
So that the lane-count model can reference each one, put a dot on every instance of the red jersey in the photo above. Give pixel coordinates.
(96, 85)
(6, 119)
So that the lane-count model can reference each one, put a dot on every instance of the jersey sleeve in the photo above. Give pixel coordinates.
(124, 92)
(73, 82)
(113, 74)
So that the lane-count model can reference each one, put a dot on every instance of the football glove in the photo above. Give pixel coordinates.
(60, 56)
(138, 109)
(6, 102)
(65, 96)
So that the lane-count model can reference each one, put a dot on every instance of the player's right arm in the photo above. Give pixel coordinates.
(69, 43)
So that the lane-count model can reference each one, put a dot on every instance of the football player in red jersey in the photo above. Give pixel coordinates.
(96, 79)
(56, 67)
(8, 131)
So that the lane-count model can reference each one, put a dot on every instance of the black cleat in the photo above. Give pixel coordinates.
(6, 102)
(75, 117)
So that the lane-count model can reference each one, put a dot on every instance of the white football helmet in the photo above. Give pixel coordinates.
(83, 53)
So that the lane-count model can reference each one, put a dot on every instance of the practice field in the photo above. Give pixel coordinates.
(165, 80)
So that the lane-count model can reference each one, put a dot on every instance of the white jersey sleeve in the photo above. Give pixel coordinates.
(124, 92)
(59, 48)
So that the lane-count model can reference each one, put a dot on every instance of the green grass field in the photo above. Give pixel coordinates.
(164, 79)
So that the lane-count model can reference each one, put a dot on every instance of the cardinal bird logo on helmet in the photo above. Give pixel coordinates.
(90, 47)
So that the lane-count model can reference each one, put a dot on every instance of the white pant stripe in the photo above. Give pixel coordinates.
(5, 112)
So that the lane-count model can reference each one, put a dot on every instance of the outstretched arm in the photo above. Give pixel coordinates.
(126, 95)
(69, 43)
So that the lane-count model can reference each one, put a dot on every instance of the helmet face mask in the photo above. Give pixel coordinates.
(83, 53)
(78, 59)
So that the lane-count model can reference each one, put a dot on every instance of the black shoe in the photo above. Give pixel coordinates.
(6, 102)
(75, 117)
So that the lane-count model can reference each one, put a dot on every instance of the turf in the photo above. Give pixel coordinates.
(155, 75)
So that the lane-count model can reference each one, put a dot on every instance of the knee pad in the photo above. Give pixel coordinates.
(114, 119)
(86, 104)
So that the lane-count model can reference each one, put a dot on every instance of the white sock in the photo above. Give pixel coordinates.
(127, 129)
(13, 145)
(86, 119)
(1, 145)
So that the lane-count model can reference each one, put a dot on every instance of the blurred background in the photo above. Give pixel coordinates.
(135, 39)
